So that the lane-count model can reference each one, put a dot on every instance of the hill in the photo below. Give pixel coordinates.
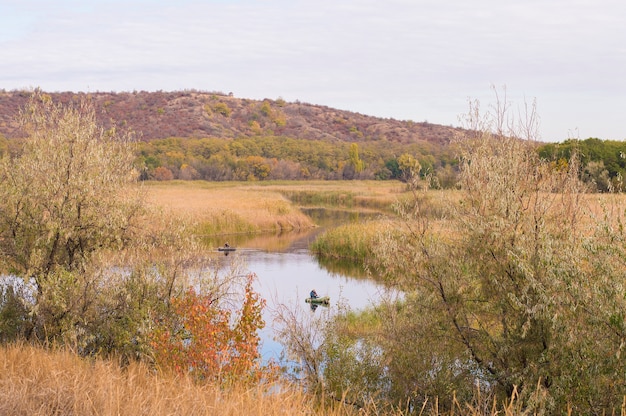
(159, 115)
(215, 136)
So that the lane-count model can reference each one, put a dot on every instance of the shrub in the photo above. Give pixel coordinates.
(203, 338)
(222, 108)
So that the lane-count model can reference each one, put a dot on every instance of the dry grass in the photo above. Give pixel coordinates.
(362, 195)
(226, 208)
(217, 208)
(34, 382)
(37, 382)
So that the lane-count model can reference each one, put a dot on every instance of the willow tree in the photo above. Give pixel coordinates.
(355, 165)
(65, 197)
(520, 290)
(409, 168)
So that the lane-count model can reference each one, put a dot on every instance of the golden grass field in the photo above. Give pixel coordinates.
(218, 208)
(35, 381)
(39, 382)
(223, 208)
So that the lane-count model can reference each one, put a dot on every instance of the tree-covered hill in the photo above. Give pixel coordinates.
(159, 115)
(215, 136)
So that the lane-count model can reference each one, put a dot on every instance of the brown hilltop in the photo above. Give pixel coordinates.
(157, 115)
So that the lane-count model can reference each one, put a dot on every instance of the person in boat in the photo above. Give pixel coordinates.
(226, 245)
(313, 294)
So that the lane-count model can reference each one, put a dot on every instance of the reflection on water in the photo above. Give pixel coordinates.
(325, 217)
(274, 242)
(286, 278)
(345, 267)
(314, 306)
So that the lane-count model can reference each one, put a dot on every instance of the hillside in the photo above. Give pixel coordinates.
(158, 115)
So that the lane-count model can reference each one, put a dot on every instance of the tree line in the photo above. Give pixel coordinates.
(259, 156)
(602, 162)
(279, 157)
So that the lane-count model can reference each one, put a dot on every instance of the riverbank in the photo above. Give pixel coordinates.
(37, 381)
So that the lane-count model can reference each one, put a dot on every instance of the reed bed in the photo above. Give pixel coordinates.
(217, 209)
(362, 195)
(350, 241)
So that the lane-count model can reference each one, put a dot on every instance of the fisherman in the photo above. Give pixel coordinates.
(313, 294)
(226, 245)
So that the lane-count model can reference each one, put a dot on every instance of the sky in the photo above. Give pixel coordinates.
(420, 60)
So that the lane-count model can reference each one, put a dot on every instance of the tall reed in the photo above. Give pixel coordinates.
(350, 241)
(218, 209)
(35, 381)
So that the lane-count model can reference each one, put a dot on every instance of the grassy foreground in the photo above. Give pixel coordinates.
(37, 382)
(34, 381)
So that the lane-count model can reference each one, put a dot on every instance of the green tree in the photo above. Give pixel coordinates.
(603, 162)
(393, 167)
(67, 194)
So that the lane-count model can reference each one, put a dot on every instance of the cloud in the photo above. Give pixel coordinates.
(417, 59)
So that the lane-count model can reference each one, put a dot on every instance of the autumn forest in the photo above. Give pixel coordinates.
(191, 135)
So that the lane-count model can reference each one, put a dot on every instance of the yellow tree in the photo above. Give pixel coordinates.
(409, 168)
(259, 167)
(355, 160)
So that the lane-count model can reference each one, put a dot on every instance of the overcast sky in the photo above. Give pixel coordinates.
(415, 60)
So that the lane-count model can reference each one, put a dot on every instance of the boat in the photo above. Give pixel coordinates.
(325, 300)
(226, 249)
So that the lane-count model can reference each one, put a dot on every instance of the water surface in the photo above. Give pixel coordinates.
(287, 271)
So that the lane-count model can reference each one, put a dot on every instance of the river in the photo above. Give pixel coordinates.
(287, 271)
